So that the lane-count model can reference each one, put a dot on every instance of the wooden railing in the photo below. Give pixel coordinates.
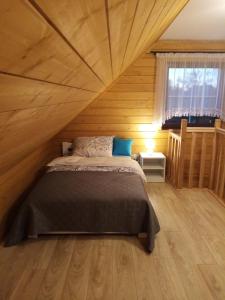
(175, 156)
(196, 157)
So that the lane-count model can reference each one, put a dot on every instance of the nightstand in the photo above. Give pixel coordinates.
(153, 165)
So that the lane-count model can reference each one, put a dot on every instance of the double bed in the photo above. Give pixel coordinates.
(92, 195)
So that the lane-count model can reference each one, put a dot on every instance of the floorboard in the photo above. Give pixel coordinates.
(188, 262)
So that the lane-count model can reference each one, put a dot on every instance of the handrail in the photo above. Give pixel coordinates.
(201, 129)
(220, 130)
(175, 135)
(196, 129)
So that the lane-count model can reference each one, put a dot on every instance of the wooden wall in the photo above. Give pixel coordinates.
(125, 109)
(17, 179)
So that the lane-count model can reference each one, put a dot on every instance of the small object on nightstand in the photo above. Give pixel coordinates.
(154, 166)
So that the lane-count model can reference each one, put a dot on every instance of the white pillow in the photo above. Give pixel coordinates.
(95, 146)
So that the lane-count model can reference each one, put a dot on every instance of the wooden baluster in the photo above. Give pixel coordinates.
(182, 153)
(221, 189)
(174, 159)
(171, 156)
(211, 182)
(168, 145)
(191, 168)
(168, 157)
(202, 162)
(175, 163)
(178, 162)
(218, 167)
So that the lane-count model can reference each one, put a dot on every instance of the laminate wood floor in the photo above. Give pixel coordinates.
(188, 261)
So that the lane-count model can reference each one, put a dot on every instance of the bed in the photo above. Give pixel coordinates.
(93, 195)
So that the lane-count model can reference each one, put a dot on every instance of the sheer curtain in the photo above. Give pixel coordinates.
(189, 84)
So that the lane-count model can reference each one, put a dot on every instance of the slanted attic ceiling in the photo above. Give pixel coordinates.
(56, 56)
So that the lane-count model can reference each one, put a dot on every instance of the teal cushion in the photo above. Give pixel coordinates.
(122, 146)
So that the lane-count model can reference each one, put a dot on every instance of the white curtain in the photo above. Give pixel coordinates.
(189, 84)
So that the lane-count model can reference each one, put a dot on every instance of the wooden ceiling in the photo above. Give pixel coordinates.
(57, 56)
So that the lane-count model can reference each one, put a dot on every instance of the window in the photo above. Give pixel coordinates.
(191, 86)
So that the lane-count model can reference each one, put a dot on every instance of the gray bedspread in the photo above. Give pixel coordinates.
(90, 202)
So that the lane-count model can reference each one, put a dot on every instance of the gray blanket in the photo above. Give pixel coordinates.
(90, 202)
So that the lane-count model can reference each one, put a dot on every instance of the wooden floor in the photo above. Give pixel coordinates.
(188, 261)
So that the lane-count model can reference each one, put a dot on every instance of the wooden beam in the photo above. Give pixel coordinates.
(188, 46)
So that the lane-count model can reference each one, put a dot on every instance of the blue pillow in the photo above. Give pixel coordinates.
(122, 146)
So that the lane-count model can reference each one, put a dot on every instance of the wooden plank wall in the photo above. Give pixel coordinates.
(125, 109)
(17, 179)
